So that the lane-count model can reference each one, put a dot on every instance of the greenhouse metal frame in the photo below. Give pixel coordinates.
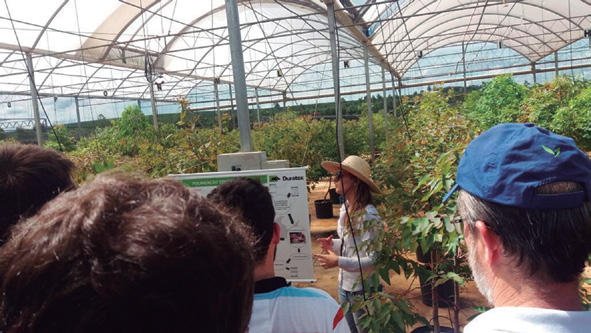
(90, 54)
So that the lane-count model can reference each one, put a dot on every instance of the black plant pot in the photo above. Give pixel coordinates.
(335, 198)
(427, 329)
(323, 209)
(423, 258)
(445, 293)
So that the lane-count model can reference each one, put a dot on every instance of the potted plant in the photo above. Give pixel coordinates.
(434, 231)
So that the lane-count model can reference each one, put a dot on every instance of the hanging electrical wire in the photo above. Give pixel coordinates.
(346, 205)
(99, 151)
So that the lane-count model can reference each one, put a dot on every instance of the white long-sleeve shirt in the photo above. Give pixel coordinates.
(348, 263)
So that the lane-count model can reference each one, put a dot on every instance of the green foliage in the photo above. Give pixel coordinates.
(103, 166)
(188, 118)
(499, 102)
(574, 120)
(66, 140)
(544, 101)
(356, 134)
(25, 135)
(415, 170)
(562, 106)
(132, 122)
(299, 139)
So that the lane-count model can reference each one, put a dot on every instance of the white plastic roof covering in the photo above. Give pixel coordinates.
(533, 28)
(86, 48)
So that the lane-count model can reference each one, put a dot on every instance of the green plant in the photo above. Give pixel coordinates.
(103, 166)
(545, 100)
(415, 170)
(499, 102)
(434, 228)
(574, 120)
(64, 140)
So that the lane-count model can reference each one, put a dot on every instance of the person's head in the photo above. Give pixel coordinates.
(30, 176)
(250, 200)
(123, 254)
(353, 179)
(525, 206)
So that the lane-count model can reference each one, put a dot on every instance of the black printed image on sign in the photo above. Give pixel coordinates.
(281, 204)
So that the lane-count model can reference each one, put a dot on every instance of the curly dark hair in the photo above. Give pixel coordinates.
(30, 176)
(124, 254)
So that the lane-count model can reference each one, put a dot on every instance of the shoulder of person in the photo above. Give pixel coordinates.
(309, 292)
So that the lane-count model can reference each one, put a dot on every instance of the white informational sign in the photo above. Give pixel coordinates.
(290, 199)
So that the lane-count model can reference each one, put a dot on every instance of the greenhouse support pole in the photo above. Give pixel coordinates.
(153, 102)
(335, 77)
(239, 74)
(233, 118)
(368, 99)
(533, 71)
(385, 104)
(555, 64)
(34, 99)
(464, 66)
(139, 104)
(285, 101)
(256, 93)
(394, 97)
(217, 105)
(78, 116)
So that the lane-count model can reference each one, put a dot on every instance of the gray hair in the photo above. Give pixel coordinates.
(553, 244)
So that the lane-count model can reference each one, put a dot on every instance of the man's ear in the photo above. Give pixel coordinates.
(491, 243)
(276, 233)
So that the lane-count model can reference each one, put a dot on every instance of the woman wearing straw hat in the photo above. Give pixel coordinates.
(354, 182)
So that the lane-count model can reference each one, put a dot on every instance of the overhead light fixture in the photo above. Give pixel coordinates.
(419, 54)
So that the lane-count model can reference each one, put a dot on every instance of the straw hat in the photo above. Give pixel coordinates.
(356, 166)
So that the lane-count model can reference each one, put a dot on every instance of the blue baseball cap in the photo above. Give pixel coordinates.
(508, 162)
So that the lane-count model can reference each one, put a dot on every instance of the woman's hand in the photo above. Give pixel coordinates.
(325, 243)
(329, 260)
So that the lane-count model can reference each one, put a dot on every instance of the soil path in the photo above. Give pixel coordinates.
(326, 279)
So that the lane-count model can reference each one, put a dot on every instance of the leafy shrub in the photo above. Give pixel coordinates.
(545, 100)
(574, 120)
(499, 102)
(64, 138)
(299, 139)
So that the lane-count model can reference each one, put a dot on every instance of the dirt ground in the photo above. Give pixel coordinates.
(326, 279)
